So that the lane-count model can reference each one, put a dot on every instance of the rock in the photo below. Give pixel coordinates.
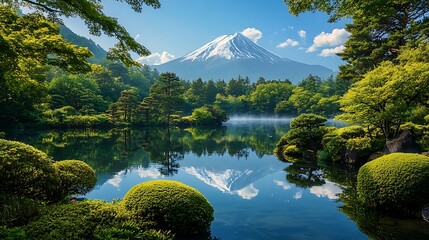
(425, 212)
(426, 154)
(375, 156)
(309, 154)
(406, 142)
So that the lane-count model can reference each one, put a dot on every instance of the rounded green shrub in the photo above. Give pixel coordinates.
(83, 220)
(169, 205)
(395, 181)
(26, 171)
(76, 178)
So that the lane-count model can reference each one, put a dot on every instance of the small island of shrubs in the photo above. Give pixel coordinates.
(36, 203)
(392, 181)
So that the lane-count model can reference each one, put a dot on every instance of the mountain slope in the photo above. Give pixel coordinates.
(69, 35)
(228, 56)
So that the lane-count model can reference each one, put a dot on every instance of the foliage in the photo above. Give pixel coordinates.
(26, 171)
(395, 182)
(12, 233)
(95, 19)
(306, 134)
(208, 115)
(348, 144)
(265, 97)
(170, 205)
(76, 178)
(152, 234)
(386, 96)
(82, 220)
(29, 44)
(18, 211)
(78, 91)
(68, 117)
(378, 30)
(125, 108)
(167, 93)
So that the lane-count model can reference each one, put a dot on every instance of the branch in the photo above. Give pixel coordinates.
(41, 5)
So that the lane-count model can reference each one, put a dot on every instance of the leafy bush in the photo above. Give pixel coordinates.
(395, 181)
(207, 115)
(158, 235)
(18, 211)
(76, 178)
(83, 220)
(26, 171)
(348, 144)
(306, 133)
(170, 205)
(292, 150)
(12, 233)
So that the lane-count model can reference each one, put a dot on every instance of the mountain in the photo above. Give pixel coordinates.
(69, 35)
(229, 56)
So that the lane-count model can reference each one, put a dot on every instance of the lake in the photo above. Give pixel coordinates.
(254, 195)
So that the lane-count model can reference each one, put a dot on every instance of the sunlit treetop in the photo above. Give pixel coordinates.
(91, 11)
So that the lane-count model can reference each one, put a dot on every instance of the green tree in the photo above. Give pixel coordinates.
(238, 87)
(311, 83)
(266, 96)
(127, 104)
(196, 93)
(385, 98)
(29, 44)
(147, 108)
(304, 100)
(91, 12)
(212, 91)
(168, 95)
(378, 30)
(78, 91)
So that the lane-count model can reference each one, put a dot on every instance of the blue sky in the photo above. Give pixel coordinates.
(181, 26)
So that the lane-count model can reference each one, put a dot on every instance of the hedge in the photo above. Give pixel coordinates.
(169, 205)
(395, 181)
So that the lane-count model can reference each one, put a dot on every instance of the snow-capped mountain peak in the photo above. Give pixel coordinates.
(231, 47)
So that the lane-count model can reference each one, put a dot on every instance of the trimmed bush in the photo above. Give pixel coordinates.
(170, 205)
(83, 220)
(395, 181)
(26, 171)
(305, 134)
(76, 178)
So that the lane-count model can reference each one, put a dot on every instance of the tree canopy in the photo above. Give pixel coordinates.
(91, 12)
(385, 98)
(378, 29)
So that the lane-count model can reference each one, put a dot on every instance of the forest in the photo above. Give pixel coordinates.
(381, 92)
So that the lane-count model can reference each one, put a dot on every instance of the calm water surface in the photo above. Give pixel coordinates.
(255, 196)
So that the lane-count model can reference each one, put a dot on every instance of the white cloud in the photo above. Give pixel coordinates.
(117, 179)
(302, 34)
(327, 52)
(288, 42)
(149, 173)
(137, 37)
(329, 190)
(282, 184)
(252, 33)
(156, 58)
(248, 192)
(298, 195)
(336, 38)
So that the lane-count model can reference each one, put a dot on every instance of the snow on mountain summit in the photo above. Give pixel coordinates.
(231, 47)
